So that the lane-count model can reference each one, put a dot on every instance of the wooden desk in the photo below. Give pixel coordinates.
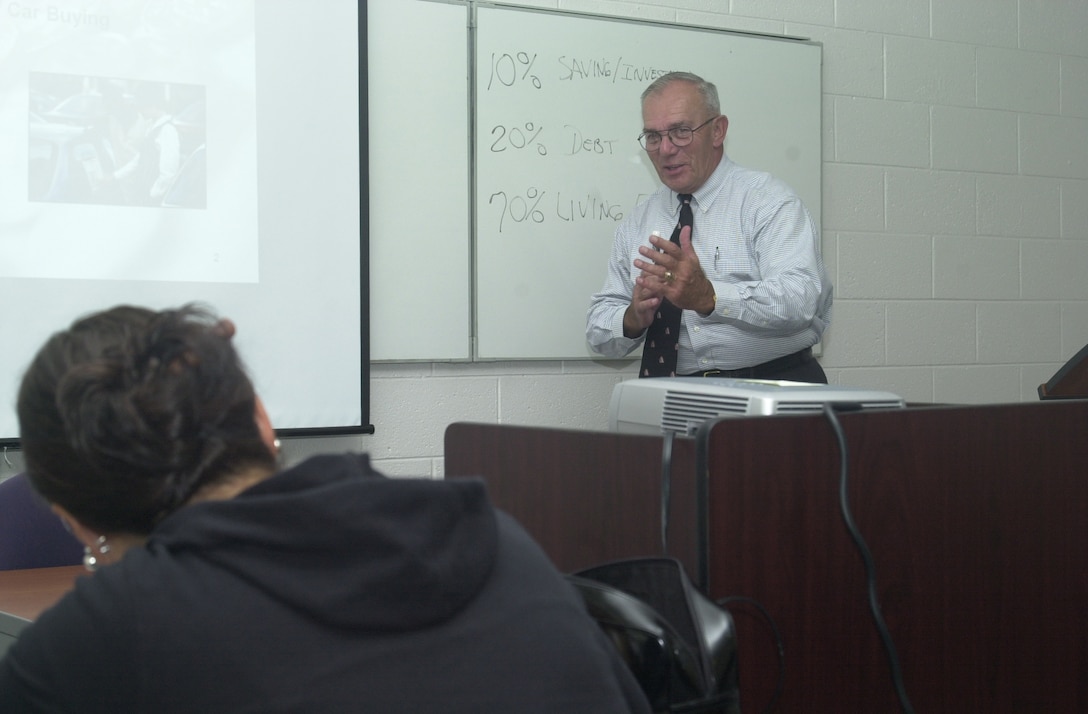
(24, 594)
(977, 521)
(587, 497)
(976, 517)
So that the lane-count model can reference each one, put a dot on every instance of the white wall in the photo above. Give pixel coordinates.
(955, 217)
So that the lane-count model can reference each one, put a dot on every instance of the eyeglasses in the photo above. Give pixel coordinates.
(678, 135)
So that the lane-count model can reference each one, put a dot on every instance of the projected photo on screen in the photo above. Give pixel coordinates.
(165, 152)
(129, 141)
(115, 141)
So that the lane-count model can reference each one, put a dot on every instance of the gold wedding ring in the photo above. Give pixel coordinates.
(668, 276)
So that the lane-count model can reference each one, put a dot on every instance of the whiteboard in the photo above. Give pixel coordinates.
(419, 173)
(503, 153)
(557, 162)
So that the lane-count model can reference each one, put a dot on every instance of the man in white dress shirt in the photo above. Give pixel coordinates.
(748, 277)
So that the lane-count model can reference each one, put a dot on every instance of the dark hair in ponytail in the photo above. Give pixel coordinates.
(127, 414)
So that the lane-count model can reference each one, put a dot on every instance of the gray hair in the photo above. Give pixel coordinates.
(706, 89)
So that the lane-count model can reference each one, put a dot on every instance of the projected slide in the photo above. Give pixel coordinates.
(164, 152)
(128, 141)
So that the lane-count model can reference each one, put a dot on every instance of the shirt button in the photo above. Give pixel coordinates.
(696, 329)
(704, 361)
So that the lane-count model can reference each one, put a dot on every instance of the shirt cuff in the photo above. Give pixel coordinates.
(625, 343)
(727, 302)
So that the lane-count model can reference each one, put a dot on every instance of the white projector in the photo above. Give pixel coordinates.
(657, 405)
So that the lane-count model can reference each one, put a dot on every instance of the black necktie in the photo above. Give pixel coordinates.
(663, 335)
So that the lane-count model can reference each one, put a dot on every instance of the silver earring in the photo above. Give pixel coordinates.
(91, 557)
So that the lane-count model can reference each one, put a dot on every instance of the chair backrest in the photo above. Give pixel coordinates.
(665, 668)
(692, 639)
(31, 535)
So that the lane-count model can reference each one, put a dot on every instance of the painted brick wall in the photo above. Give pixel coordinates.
(955, 216)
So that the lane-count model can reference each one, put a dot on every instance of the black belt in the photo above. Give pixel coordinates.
(767, 370)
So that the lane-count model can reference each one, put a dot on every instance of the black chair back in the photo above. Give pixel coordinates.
(680, 645)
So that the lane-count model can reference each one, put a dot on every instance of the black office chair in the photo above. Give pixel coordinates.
(680, 645)
(31, 535)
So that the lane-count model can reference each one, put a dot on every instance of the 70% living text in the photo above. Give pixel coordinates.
(519, 208)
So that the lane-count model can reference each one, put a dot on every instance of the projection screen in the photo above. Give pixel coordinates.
(159, 153)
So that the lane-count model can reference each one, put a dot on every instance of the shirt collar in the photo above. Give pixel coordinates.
(704, 196)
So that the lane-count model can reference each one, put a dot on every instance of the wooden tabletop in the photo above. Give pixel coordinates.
(26, 593)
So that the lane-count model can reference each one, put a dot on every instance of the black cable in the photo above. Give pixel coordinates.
(666, 489)
(867, 559)
(780, 681)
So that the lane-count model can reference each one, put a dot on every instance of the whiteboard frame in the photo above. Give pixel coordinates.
(443, 317)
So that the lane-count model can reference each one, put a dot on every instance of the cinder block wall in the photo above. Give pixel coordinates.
(955, 217)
